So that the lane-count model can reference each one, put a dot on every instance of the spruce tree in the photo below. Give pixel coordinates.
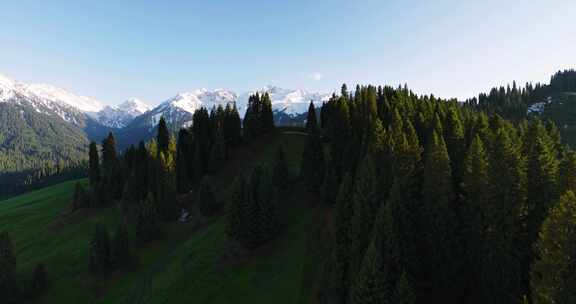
(8, 282)
(267, 115)
(441, 222)
(183, 160)
(166, 188)
(39, 279)
(79, 200)
(501, 278)
(100, 253)
(121, 247)
(568, 172)
(365, 208)
(109, 155)
(205, 198)
(475, 187)
(311, 121)
(280, 174)
(148, 221)
(553, 279)
(94, 164)
(163, 137)
(341, 253)
(313, 165)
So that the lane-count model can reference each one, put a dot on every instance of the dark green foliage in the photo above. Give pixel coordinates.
(280, 173)
(148, 226)
(443, 261)
(163, 136)
(166, 187)
(80, 198)
(329, 187)
(258, 119)
(341, 255)
(100, 251)
(313, 164)
(232, 126)
(553, 279)
(252, 217)
(568, 172)
(311, 121)
(122, 255)
(94, 164)
(183, 161)
(8, 282)
(39, 279)
(365, 208)
(205, 199)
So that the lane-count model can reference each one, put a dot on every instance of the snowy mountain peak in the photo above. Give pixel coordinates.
(121, 115)
(134, 106)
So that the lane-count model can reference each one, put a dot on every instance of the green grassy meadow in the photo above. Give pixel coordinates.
(188, 265)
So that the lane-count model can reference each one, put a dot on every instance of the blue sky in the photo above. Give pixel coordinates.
(152, 50)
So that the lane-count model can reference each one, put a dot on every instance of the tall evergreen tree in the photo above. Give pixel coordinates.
(366, 206)
(163, 137)
(280, 174)
(100, 251)
(440, 216)
(205, 198)
(311, 121)
(94, 164)
(313, 164)
(39, 279)
(568, 172)
(122, 256)
(148, 221)
(553, 278)
(8, 282)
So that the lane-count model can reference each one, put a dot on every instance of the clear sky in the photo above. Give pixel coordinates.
(112, 50)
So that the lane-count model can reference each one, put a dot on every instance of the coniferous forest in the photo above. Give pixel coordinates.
(422, 200)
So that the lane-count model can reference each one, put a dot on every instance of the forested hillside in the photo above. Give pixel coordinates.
(386, 197)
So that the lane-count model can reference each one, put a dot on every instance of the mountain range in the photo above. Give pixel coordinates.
(135, 120)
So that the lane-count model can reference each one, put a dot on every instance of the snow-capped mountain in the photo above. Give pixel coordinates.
(121, 115)
(286, 101)
(48, 99)
(180, 108)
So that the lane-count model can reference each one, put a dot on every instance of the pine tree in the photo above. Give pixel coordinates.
(148, 221)
(341, 255)
(369, 286)
(109, 155)
(100, 253)
(330, 187)
(311, 121)
(163, 137)
(166, 188)
(438, 195)
(553, 279)
(205, 198)
(568, 172)
(94, 164)
(313, 165)
(405, 293)
(365, 208)
(542, 192)
(475, 184)
(183, 160)
(8, 283)
(121, 247)
(501, 269)
(39, 279)
(79, 200)
(266, 114)
(280, 175)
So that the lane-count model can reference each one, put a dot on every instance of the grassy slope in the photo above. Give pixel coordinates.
(186, 265)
